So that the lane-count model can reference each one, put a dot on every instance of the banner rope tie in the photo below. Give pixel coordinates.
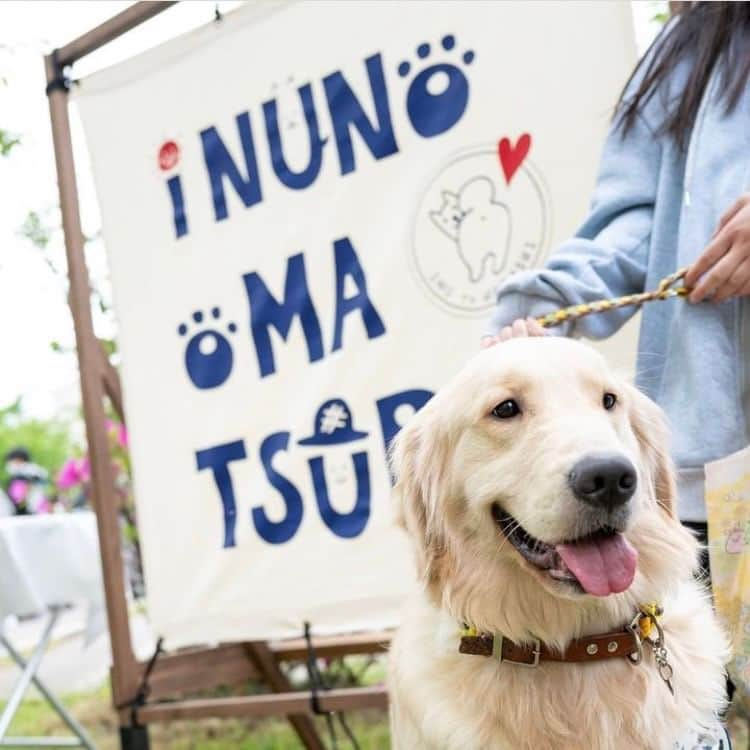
(144, 689)
(318, 683)
(665, 290)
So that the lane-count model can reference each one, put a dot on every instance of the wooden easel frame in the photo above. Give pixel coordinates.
(194, 669)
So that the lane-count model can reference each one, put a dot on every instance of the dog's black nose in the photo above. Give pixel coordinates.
(603, 480)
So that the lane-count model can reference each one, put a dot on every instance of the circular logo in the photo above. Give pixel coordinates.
(169, 155)
(484, 216)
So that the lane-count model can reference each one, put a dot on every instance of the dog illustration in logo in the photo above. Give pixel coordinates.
(479, 225)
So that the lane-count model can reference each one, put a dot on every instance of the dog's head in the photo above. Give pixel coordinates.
(538, 474)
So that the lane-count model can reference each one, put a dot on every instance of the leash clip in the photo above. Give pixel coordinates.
(642, 627)
(635, 629)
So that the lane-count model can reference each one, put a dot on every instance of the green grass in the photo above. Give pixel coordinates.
(94, 711)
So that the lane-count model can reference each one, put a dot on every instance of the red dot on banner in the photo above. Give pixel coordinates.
(169, 155)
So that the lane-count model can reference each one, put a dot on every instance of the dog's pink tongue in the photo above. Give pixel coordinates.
(602, 566)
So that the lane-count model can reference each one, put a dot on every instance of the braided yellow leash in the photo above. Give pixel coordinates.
(665, 290)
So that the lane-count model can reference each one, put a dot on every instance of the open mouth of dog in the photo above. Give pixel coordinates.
(600, 563)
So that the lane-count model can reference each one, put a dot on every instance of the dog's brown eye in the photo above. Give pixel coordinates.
(609, 400)
(506, 410)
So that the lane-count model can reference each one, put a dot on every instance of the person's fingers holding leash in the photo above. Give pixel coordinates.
(715, 281)
(736, 283)
(713, 274)
(715, 250)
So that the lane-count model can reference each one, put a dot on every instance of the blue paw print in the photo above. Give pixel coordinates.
(208, 357)
(433, 108)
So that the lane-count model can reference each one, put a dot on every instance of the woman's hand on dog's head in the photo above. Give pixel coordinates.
(521, 328)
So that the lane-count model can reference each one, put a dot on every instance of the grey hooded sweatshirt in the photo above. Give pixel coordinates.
(654, 210)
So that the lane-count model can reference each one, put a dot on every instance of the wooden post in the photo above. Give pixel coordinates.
(275, 704)
(125, 675)
(126, 672)
(266, 664)
(106, 32)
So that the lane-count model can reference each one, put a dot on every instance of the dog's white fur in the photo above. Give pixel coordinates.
(451, 462)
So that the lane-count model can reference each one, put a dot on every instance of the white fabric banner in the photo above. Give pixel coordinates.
(307, 208)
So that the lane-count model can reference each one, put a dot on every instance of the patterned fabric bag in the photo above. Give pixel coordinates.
(709, 739)
(728, 508)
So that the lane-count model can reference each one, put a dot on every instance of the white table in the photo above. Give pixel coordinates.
(46, 562)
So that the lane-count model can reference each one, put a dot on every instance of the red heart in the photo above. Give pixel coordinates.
(511, 157)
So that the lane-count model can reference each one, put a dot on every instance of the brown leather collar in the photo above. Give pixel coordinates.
(619, 644)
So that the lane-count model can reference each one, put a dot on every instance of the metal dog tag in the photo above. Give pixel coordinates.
(661, 657)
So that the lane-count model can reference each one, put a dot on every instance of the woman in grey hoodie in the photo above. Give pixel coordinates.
(671, 192)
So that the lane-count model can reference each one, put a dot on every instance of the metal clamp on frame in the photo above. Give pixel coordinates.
(61, 82)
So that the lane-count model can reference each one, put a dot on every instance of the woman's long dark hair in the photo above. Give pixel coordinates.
(712, 35)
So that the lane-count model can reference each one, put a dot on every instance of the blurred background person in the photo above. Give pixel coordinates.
(27, 484)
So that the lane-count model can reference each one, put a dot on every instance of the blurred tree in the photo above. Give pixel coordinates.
(662, 11)
(8, 140)
(48, 441)
(39, 232)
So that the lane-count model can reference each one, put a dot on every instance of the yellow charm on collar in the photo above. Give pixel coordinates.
(650, 612)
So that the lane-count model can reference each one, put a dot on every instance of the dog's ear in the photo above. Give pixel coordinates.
(650, 428)
(419, 465)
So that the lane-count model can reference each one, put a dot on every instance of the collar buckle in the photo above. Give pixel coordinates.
(497, 652)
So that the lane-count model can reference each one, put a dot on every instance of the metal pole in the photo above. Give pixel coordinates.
(39, 742)
(125, 676)
(73, 725)
(27, 675)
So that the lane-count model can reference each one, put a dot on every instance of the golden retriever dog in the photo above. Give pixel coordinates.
(538, 493)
